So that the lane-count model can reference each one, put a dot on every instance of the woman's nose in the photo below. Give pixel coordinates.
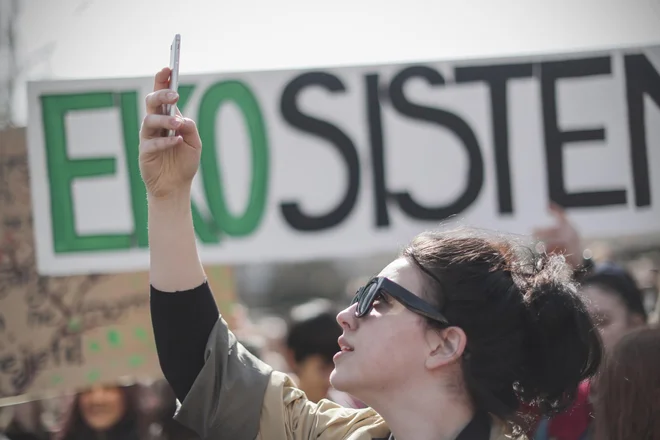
(347, 319)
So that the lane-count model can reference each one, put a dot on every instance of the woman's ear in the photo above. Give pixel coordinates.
(445, 347)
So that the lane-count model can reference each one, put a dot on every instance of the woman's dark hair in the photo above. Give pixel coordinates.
(628, 389)
(617, 281)
(529, 337)
(131, 426)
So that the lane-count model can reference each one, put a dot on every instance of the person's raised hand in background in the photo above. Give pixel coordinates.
(562, 237)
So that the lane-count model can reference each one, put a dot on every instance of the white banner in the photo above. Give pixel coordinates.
(352, 161)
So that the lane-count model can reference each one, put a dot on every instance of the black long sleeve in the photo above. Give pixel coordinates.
(182, 323)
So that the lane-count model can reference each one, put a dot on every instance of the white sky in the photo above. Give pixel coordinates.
(102, 38)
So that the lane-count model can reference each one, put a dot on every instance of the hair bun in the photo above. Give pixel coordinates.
(557, 360)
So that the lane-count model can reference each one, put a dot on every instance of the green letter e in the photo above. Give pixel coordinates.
(62, 171)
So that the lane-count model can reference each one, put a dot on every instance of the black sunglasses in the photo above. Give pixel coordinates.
(366, 296)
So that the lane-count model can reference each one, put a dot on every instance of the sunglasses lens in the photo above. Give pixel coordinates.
(356, 298)
(364, 298)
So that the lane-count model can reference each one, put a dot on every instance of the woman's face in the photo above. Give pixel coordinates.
(102, 407)
(609, 313)
(387, 347)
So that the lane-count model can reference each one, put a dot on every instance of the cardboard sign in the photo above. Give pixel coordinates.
(64, 333)
(330, 163)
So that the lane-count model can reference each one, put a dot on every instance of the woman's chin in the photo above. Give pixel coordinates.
(343, 380)
(337, 380)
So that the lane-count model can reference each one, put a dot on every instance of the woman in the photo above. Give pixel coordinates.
(110, 412)
(445, 343)
(614, 301)
(104, 412)
(628, 401)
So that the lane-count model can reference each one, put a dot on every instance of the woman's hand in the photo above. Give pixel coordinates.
(167, 164)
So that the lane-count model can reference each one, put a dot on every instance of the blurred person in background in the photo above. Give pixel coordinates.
(112, 412)
(627, 404)
(271, 331)
(104, 412)
(645, 270)
(161, 412)
(614, 300)
(311, 343)
(264, 338)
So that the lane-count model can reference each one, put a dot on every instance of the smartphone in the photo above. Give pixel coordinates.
(175, 50)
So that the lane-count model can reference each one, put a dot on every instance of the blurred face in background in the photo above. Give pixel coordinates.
(102, 407)
(314, 376)
(610, 314)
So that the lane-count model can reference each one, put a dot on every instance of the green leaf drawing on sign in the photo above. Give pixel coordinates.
(56, 379)
(136, 360)
(141, 334)
(74, 325)
(93, 376)
(94, 347)
(114, 338)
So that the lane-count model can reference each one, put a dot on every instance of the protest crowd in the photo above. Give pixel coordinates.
(620, 290)
(465, 332)
(621, 293)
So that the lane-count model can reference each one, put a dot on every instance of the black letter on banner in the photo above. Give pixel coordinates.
(446, 119)
(641, 79)
(292, 114)
(497, 77)
(377, 150)
(555, 138)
